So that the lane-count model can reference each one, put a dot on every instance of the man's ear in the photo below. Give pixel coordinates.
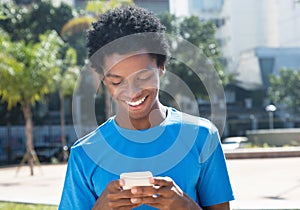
(162, 70)
(104, 81)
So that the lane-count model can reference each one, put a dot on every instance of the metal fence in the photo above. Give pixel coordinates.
(13, 140)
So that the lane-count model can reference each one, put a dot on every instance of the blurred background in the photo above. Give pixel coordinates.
(254, 46)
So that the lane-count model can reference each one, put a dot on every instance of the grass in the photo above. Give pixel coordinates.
(22, 206)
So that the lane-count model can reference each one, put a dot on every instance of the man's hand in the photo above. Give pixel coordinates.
(165, 195)
(114, 198)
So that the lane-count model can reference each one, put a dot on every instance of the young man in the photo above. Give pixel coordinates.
(127, 46)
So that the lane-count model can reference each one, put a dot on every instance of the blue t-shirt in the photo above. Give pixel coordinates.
(183, 147)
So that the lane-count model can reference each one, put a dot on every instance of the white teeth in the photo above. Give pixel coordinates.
(135, 103)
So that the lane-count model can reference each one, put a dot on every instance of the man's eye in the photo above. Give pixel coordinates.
(115, 83)
(145, 77)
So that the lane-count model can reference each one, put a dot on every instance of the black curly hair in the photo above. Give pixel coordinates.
(121, 22)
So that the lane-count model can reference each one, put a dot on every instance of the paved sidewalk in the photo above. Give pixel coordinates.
(272, 183)
(272, 152)
(43, 188)
(269, 183)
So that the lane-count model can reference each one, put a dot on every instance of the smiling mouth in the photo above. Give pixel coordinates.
(136, 103)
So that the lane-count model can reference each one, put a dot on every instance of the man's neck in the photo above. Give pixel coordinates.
(156, 117)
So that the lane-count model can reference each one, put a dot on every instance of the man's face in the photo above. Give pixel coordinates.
(133, 82)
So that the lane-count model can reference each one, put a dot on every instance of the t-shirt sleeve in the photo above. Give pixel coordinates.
(214, 184)
(77, 191)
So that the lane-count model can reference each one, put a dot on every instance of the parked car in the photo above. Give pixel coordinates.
(232, 143)
(46, 152)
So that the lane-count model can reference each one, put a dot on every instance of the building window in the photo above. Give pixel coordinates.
(208, 5)
(266, 65)
(230, 96)
(248, 103)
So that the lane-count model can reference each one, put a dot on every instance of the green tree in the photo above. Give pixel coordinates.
(202, 35)
(99, 7)
(28, 22)
(65, 81)
(27, 72)
(74, 31)
(284, 89)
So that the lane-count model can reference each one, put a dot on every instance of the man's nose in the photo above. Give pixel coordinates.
(133, 89)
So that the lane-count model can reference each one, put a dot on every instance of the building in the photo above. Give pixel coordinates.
(245, 25)
(213, 10)
(257, 38)
(247, 97)
(263, 39)
(156, 6)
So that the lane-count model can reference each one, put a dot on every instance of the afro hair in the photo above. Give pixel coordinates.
(122, 22)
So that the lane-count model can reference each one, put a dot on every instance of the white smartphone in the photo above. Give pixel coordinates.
(141, 178)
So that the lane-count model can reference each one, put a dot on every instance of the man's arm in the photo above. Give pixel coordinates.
(77, 193)
(221, 206)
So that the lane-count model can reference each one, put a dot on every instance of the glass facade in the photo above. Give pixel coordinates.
(207, 5)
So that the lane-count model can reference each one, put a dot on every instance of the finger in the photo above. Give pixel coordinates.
(164, 188)
(151, 201)
(115, 185)
(122, 204)
(166, 193)
(162, 182)
(140, 192)
(114, 196)
(143, 191)
(167, 182)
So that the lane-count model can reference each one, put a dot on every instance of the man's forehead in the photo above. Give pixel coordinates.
(113, 59)
(143, 71)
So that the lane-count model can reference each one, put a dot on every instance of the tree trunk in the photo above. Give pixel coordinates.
(28, 132)
(8, 147)
(62, 125)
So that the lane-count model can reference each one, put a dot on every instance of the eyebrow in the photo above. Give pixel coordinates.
(118, 76)
(113, 75)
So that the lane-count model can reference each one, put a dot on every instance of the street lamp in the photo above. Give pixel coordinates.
(271, 109)
(253, 121)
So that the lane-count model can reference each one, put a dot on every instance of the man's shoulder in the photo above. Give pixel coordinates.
(192, 120)
(93, 136)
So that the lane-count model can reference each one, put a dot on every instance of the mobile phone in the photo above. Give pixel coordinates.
(141, 178)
